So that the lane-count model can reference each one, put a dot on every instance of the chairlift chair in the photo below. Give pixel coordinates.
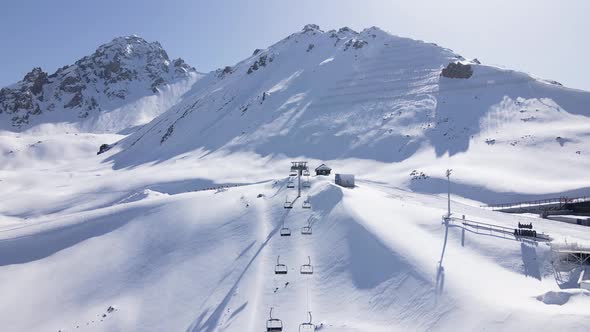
(306, 230)
(306, 183)
(285, 231)
(307, 326)
(290, 184)
(307, 268)
(305, 172)
(288, 203)
(274, 324)
(280, 268)
(307, 203)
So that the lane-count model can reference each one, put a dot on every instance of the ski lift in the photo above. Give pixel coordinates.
(306, 183)
(307, 203)
(307, 268)
(306, 172)
(290, 184)
(273, 324)
(308, 326)
(306, 230)
(293, 172)
(280, 268)
(288, 203)
(285, 231)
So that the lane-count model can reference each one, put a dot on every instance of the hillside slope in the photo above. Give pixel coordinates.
(371, 95)
(176, 263)
(371, 100)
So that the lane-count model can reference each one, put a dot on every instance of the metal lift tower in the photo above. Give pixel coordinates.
(299, 167)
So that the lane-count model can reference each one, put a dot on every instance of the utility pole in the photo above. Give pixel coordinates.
(449, 193)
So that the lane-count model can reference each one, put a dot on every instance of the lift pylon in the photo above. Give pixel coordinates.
(300, 167)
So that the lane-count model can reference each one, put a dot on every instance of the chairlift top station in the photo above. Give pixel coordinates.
(323, 169)
(299, 166)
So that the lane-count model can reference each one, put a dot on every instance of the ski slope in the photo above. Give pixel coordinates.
(177, 227)
(204, 260)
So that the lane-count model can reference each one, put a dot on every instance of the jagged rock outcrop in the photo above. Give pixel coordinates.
(355, 43)
(261, 62)
(104, 148)
(311, 28)
(123, 67)
(457, 70)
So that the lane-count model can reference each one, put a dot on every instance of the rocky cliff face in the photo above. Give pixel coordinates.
(123, 69)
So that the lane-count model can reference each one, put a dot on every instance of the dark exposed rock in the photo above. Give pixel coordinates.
(157, 82)
(181, 67)
(457, 70)
(225, 71)
(355, 43)
(167, 134)
(256, 51)
(346, 29)
(75, 101)
(70, 84)
(104, 148)
(37, 78)
(553, 82)
(261, 62)
(310, 47)
(311, 28)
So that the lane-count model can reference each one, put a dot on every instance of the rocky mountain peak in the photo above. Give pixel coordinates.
(131, 47)
(36, 79)
(108, 77)
(311, 28)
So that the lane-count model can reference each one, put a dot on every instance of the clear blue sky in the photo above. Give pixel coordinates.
(547, 38)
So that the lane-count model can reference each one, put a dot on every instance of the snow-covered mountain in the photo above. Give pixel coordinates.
(176, 227)
(124, 73)
(371, 95)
